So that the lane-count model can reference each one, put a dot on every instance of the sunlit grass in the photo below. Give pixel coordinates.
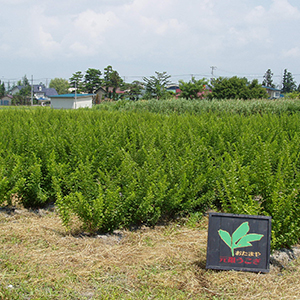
(39, 260)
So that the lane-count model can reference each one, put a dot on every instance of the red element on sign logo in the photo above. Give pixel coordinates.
(239, 260)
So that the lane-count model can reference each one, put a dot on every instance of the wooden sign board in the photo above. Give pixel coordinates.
(238, 242)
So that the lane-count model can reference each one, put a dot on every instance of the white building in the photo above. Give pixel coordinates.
(273, 93)
(72, 101)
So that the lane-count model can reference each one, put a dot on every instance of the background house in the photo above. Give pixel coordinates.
(103, 94)
(6, 100)
(273, 93)
(71, 101)
(40, 92)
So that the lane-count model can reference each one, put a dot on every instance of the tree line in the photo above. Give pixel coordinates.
(289, 84)
(156, 86)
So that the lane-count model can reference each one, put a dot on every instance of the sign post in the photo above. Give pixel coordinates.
(238, 242)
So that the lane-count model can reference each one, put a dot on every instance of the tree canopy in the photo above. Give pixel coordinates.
(111, 82)
(76, 81)
(156, 85)
(60, 85)
(268, 81)
(134, 90)
(2, 89)
(92, 80)
(194, 89)
(237, 88)
(288, 83)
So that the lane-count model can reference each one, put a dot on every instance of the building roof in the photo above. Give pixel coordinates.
(72, 96)
(271, 89)
(38, 88)
(7, 96)
(47, 91)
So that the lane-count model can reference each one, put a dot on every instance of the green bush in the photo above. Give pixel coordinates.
(110, 168)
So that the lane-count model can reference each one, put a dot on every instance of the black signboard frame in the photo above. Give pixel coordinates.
(238, 242)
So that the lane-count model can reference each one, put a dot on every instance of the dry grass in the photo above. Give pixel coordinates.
(39, 260)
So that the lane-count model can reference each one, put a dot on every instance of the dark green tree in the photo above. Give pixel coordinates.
(61, 85)
(92, 80)
(25, 91)
(24, 82)
(2, 89)
(256, 90)
(23, 96)
(268, 81)
(194, 89)
(156, 85)
(112, 81)
(288, 83)
(237, 88)
(76, 81)
(133, 90)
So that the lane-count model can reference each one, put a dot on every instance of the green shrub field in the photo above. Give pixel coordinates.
(114, 166)
(182, 106)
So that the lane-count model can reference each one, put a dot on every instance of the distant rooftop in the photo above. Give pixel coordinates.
(71, 95)
(270, 88)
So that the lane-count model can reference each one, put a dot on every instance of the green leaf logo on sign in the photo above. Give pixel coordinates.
(239, 238)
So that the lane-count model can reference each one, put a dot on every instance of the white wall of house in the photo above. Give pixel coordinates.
(15, 90)
(69, 102)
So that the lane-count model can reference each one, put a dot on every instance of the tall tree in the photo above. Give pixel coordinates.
(288, 83)
(134, 90)
(23, 97)
(2, 89)
(92, 80)
(61, 85)
(26, 87)
(268, 81)
(111, 82)
(76, 81)
(194, 89)
(156, 85)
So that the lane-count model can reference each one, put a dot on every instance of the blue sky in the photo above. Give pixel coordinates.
(49, 39)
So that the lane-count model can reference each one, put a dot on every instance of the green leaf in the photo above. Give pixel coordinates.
(240, 232)
(252, 237)
(225, 236)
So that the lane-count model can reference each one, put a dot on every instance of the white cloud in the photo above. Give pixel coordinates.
(94, 24)
(149, 35)
(161, 27)
(257, 15)
(78, 48)
(47, 42)
(5, 47)
(13, 2)
(292, 53)
(283, 10)
(149, 7)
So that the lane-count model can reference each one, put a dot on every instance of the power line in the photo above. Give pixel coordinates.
(12, 81)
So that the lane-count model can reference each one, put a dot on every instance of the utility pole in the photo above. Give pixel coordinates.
(212, 71)
(31, 90)
(75, 93)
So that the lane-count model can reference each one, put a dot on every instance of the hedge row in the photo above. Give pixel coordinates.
(114, 169)
(182, 106)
